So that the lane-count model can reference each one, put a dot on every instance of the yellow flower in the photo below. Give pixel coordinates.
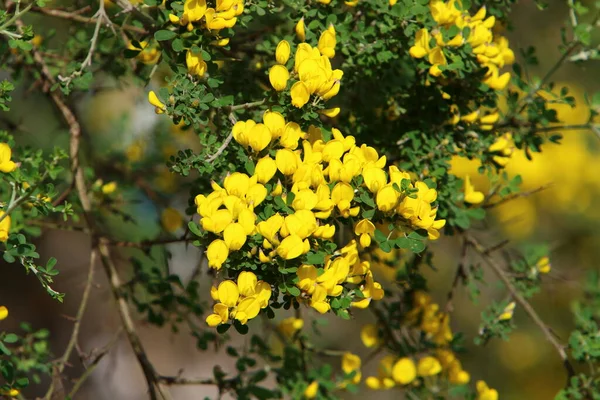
(291, 247)
(543, 265)
(216, 253)
(421, 47)
(330, 112)
(171, 219)
(472, 196)
(387, 198)
(366, 230)
(508, 312)
(259, 137)
(148, 54)
(311, 390)
(404, 371)
(6, 165)
(374, 178)
(484, 392)
(327, 42)
(109, 188)
(282, 53)
(289, 326)
(278, 76)
(351, 363)
(153, 99)
(265, 169)
(287, 162)
(429, 366)
(4, 226)
(3, 312)
(384, 379)
(300, 30)
(370, 335)
(195, 64)
(300, 94)
(234, 236)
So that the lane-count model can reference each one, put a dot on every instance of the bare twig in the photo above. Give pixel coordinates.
(516, 196)
(93, 364)
(499, 271)
(460, 275)
(99, 246)
(75, 332)
(74, 16)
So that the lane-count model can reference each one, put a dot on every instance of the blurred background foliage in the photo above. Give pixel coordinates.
(128, 138)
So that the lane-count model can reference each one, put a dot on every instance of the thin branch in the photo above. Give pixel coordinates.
(499, 271)
(91, 367)
(79, 316)
(460, 275)
(100, 16)
(178, 380)
(85, 20)
(99, 246)
(148, 243)
(516, 196)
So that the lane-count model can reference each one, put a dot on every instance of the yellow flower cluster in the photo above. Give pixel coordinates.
(322, 179)
(10, 392)
(312, 69)
(491, 52)
(224, 15)
(241, 300)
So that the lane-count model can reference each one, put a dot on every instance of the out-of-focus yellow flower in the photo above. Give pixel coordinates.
(484, 392)
(369, 335)
(543, 265)
(109, 188)
(471, 195)
(508, 312)
(171, 219)
(311, 390)
(3, 312)
(404, 371)
(351, 363)
(289, 326)
(428, 366)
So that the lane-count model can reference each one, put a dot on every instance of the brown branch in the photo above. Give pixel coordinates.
(460, 275)
(74, 16)
(75, 332)
(517, 195)
(147, 243)
(178, 380)
(499, 271)
(99, 246)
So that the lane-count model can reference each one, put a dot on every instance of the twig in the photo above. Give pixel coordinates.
(99, 16)
(100, 246)
(147, 243)
(460, 275)
(79, 316)
(91, 367)
(86, 20)
(177, 380)
(523, 303)
(516, 196)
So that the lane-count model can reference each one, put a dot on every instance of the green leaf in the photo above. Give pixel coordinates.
(164, 35)
(10, 338)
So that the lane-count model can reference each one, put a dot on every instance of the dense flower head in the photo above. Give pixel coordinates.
(491, 51)
(302, 183)
(196, 12)
(312, 73)
(241, 300)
